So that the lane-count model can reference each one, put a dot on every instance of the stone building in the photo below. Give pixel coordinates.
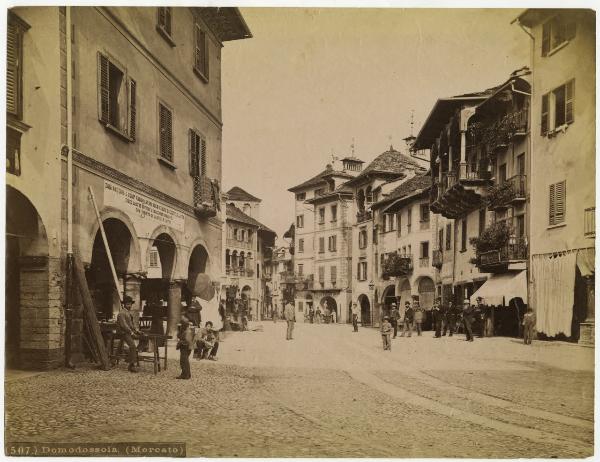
(479, 168)
(247, 253)
(281, 265)
(322, 240)
(562, 191)
(372, 184)
(405, 242)
(137, 94)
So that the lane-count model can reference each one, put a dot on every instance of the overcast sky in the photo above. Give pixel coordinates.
(310, 80)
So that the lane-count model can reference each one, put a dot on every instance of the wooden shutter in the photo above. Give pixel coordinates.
(201, 52)
(559, 202)
(103, 89)
(202, 156)
(551, 205)
(132, 108)
(13, 70)
(166, 133)
(321, 273)
(448, 236)
(570, 28)
(321, 244)
(358, 271)
(546, 34)
(333, 273)
(441, 239)
(545, 107)
(569, 101)
(334, 239)
(194, 153)
(162, 16)
(167, 19)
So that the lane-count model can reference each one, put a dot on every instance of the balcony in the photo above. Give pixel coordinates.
(301, 281)
(364, 215)
(236, 244)
(206, 196)
(461, 190)
(437, 259)
(589, 222)
(510, 256)
(512, 191)
(396, 265)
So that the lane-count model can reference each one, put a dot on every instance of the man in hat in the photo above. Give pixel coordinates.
(355, 316)
(468, 313)
(408, 319)
(290, 317)
(127, 329)
(436, 314)
(394, 315)
(386, 330)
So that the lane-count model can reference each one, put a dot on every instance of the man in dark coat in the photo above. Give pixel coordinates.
(394, 315)
(436, 314)
(408, 319)
(468, 314)
(451, 316)
(127, 329)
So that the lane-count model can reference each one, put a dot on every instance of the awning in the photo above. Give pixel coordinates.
(500, 289)
(586, 261)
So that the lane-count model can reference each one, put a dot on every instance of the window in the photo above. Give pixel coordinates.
(163, 24)
(300, 221)
(409, 249)
(242, 235)
(521, 164)
(374, 235)
(250, 236)
(201, 54)
(301, 196)
(319, 191)
(300, 269)
(424, 213)
(153, 258)
(13, 151)
(321, 274)
(333, 270)
(116, 98)
(555, 32)
(463, 235)
(481, 221)
(300, 245)
(404, 250)
(502, 174)
(399, 223)
(425, 249)
(362, 238)
(520, 226)
(197, 145)
(321, 245)
(448, 236)
(300, 306)
(441, 239)
(332, 243)
(362, 271)
(409, 219)
(558, 107)
(334, 213)
(322, 215)
(165, 133)
(14, 66)
(389, 222)
(557, 206)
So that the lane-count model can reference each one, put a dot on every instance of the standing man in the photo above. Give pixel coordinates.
(355, 316)
(193, 312)
(528, 326)
(311, 314)
(408, 319)
(290, 317)
(451, 316)
(128, 331)
(394, 315)
(436, 314)
(419, 316)
(468, 313)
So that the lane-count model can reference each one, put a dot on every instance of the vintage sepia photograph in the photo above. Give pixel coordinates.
(299, 232)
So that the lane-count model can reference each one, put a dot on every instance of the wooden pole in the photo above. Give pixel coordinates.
(105, 240)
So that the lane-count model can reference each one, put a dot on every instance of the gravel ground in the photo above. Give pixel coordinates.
(304, 401)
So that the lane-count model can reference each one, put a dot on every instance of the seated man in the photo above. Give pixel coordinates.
(208, 343)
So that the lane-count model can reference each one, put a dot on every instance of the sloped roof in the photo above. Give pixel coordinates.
(235, 214)
(389, 162)
(238, 194)
(342, 189)
(320, 178)
(418, 183)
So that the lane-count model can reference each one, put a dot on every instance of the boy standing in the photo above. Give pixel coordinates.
(185, 344)
(386, 331)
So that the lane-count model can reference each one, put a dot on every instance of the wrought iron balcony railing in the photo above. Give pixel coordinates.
(513, 251)
(512, 190)
(363, 215)
(437, 259)
(206, 196)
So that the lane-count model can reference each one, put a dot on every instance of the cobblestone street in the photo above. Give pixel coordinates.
(329, 392)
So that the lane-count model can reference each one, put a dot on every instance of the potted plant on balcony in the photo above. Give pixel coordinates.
(395, 265)
(500, 195)
(493, 238)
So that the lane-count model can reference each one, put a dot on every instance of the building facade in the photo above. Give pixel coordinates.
(141, 125)
(479, 167)
(562, 191)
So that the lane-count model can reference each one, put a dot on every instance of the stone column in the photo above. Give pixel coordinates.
(174, 307)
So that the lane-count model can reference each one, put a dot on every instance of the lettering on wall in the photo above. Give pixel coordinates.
(137, 205)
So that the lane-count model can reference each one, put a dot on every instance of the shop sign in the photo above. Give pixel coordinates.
(139, 206)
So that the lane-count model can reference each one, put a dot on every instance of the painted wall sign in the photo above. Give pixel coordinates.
(137, 205)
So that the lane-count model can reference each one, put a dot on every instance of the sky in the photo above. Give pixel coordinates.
(311, 81)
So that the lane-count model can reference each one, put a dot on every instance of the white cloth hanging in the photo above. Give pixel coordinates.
(553, 279)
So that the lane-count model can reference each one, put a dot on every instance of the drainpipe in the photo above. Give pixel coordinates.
(69, 294)
(529, 159)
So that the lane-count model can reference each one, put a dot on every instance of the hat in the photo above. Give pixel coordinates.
(127, 299)
(407, 303)
(466, 300)
(385, 318)
(393, 303)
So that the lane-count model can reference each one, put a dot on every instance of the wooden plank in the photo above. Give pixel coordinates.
(90, 314)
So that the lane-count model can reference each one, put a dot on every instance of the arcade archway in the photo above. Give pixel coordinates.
(426, 293)
(388, 297)
(365, 310)
(405, 292)
(331, 305)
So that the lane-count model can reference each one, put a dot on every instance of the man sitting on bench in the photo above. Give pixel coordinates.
(208, 343)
